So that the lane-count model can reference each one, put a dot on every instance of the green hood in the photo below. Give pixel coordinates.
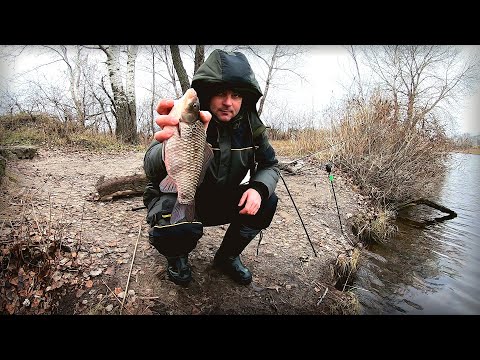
(224, 69)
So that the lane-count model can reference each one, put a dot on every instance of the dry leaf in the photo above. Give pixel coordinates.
(196, 311)
(110, 271)
(10, 308)
(95, 272)
(36, 302)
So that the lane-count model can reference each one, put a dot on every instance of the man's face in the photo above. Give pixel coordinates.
(226, 104)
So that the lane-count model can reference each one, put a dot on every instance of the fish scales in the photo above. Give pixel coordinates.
(186, 156)
(186, 161)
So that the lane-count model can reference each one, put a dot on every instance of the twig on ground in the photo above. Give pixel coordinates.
(35, 218)
(149, 297)
(81, 228)
(348, 277)
(131, 267)
(50, 216)
(114, 295)
(321, 298)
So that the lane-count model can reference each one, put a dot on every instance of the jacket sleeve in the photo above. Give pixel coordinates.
(155, 171)
(267, 172)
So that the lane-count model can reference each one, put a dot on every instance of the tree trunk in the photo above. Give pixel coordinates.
(269, 78)
(179, 68)
(199, 57)
(132, 136)
(152, 103)
(126, 126)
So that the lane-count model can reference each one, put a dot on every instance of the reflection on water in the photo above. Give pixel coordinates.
(432, 269)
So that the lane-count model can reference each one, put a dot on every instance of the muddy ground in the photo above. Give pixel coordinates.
(46, 203)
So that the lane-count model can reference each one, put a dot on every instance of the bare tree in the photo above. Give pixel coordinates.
(420, 78)
(280, 60)
(163, 58)
(198, 59)
(123, 104)
(179, 68)
(152, 103)
(74, 76)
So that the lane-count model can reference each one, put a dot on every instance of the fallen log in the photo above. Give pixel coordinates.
(291, 167)
(123, 186)
(451, 214)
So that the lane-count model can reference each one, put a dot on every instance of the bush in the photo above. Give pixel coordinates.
(390, 161)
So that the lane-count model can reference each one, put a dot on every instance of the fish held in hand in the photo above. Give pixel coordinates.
(186, 156)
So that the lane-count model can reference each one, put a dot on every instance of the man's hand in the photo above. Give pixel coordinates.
(162, 120)
(252, 200)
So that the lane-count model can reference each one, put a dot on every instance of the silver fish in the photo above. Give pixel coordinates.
(186, 156)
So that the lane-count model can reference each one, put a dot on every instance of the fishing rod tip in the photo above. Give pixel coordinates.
(328, 167)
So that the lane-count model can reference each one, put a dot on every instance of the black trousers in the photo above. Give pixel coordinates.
(213, 207)
(221, 207)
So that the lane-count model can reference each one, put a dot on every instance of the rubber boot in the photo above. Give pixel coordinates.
(178, 270)
(227, 258)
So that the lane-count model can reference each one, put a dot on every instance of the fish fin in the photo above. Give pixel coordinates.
(207, 157)
(168, 185)
(183, 212)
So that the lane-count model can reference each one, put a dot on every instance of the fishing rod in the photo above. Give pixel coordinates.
(293, 202)
(329, 167)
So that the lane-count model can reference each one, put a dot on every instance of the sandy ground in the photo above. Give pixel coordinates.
(105, 265)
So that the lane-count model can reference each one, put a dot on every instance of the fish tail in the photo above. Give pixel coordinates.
(183, 212)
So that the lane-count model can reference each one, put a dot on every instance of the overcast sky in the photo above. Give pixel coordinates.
(327, 70)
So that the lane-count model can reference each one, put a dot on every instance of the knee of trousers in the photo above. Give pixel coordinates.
(177, 239)
(160, 208)
(264, 216)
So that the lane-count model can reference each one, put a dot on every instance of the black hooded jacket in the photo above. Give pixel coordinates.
(239, 145)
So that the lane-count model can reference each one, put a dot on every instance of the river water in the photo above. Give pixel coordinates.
(432, 269)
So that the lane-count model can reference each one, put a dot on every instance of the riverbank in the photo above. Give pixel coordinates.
(65, 253)
(472, 150)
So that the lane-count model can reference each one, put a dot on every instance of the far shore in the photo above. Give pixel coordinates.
(473, 150)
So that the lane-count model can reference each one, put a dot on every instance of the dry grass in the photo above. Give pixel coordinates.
(390, 162)
(374, 230)
(348, 305)
(345, 268)
(41, 129)
(303, 142)
(472, 150)
(33, 249)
